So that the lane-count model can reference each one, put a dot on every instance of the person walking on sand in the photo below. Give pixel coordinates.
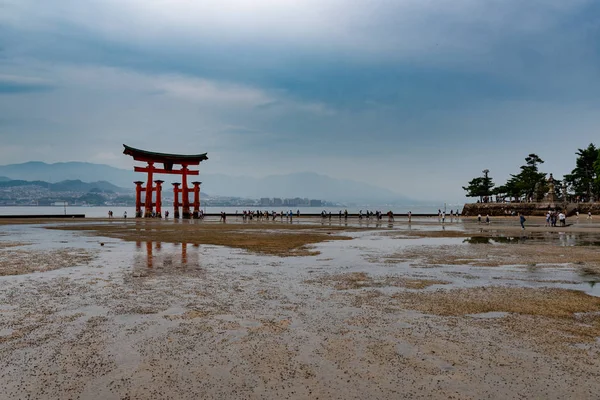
(522, 221)
(487, 219)
(547, 219)
(589, 215)
(479, 219)
(409, 217)
(125, 214)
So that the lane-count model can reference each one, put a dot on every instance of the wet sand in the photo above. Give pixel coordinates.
(266, 237)
(309, 310)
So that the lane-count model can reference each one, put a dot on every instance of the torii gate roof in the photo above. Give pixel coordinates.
(166, 159)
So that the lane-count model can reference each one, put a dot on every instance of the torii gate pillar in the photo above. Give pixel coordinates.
(138, 198)
(196, 199)
(149, 189)
(158, 198)
(185, 194)
(176, 191)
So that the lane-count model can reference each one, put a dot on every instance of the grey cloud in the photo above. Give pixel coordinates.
(14, 84)
(413, 93)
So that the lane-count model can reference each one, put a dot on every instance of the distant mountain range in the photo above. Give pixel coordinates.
(87, 172)
(67, 186)
(304, 184)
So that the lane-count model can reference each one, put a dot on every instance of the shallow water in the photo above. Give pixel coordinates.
(155, 259)
(558, 238)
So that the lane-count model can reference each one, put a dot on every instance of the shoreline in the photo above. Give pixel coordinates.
(533, 223)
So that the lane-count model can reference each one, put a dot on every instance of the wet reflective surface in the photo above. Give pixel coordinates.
(554, 238)
(156, 258)
(153, 319)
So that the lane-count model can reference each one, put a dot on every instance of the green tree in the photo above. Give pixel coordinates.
(509, 189)
(584, 180)
(597, 180)
(529, 179)
(480, 187)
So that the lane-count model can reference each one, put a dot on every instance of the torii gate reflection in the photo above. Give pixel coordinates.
(152, 247)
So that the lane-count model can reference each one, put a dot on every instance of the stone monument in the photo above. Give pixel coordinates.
(551, 195)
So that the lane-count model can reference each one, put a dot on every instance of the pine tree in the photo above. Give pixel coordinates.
(525, 182)
(584, 180)
(480, 187)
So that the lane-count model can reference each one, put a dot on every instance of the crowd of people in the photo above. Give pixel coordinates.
(249, 215)
(487, 219)
(288, 215)
(453, 214)
(552, 217)
(262, 215)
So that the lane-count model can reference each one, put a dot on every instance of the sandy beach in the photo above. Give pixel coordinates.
(314, 309)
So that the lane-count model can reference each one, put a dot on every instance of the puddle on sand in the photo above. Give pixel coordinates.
(345, 256)
(89, 311)
(156, 258)
(489, 315)
(6, 332)
(245, 323)
(558, 238)
(403, 325)
(37, 237)
(148, 260)
(494, 240)
(405, 349)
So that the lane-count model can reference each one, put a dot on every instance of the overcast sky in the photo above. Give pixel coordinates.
(415, 95)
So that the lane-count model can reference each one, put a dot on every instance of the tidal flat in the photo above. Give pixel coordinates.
(146, 309)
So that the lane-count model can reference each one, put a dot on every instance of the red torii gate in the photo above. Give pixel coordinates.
(168, 161)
